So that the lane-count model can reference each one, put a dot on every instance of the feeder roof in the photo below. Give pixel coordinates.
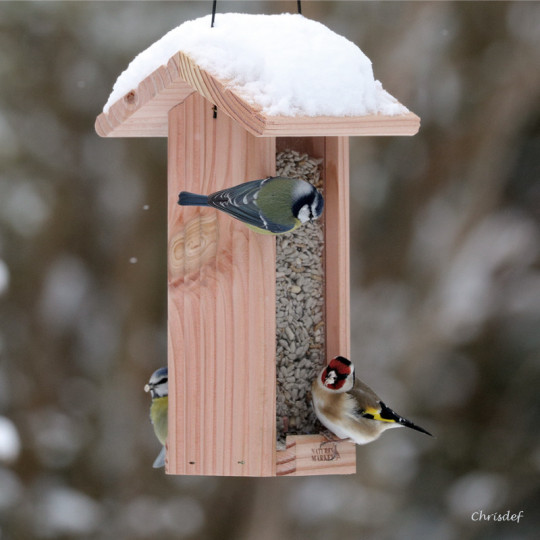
(276, 75)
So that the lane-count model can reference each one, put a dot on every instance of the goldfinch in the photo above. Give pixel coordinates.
(273, 205)
(158, 386)
(349, 408)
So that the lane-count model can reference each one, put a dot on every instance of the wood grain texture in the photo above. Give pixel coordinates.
(308, 455)
(337, 251)
(143, 112)
(221, 295)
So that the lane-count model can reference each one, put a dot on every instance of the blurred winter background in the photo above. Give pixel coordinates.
(445, 284)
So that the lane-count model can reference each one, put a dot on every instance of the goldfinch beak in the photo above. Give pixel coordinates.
(330, 379)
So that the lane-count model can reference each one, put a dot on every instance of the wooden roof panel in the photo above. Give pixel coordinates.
(143, 112)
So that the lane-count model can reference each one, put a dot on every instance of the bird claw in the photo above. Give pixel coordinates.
(331, 437)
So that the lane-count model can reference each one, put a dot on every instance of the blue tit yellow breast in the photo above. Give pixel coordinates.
(158, 415)
(297, 223)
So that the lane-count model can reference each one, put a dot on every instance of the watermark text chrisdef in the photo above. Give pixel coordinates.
(479, 515)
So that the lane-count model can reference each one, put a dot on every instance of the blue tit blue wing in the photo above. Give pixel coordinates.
(160, 460)
(241, 203)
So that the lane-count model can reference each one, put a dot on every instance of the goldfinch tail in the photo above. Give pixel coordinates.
(408, 423)
(388, 415)
(192, 199)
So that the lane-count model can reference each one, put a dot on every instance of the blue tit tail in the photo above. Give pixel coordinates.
(160, 460)
(192, 199)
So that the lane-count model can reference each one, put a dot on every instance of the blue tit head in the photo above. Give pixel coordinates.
(308, 203)
(158, 385)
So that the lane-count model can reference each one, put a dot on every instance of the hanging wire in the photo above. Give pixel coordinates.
(214, 3)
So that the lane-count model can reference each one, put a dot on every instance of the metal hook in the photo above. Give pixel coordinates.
(214, 3)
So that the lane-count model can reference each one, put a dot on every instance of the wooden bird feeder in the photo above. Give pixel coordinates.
(222, 275)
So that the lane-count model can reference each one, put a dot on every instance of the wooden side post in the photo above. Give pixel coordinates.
(337, 251)
(221, 304)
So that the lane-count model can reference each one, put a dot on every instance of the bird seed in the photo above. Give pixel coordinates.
(300, 330)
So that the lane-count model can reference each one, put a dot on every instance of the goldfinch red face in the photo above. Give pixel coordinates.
(338, 372)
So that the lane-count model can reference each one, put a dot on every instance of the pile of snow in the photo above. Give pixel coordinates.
(287, 64)
(4, 277)
(62, 511)
(10, 443)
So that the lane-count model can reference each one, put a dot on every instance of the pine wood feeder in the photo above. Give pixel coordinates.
(222, 275)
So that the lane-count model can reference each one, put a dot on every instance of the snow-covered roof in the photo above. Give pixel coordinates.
(276, 74)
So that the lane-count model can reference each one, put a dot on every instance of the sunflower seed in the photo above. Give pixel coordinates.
(299, 307)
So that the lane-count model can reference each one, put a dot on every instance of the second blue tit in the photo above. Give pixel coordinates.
(158, 386)
(273, 205)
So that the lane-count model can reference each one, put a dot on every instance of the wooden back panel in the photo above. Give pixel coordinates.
(221, 304)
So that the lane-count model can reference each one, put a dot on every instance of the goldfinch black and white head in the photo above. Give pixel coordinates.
(349, 408)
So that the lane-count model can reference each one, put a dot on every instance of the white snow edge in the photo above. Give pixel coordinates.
(286, 64)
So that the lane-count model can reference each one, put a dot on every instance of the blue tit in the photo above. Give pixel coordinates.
(158, 386)
(349, 408)
(273, 205)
